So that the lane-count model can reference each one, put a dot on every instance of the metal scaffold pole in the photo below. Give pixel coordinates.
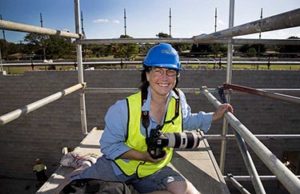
(283, 174)
(80, 69)
(228, 80)
(1, 66)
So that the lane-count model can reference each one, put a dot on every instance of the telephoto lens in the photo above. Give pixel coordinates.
(185, 140)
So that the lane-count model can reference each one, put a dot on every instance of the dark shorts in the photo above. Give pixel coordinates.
(157, 181)
(103, 170)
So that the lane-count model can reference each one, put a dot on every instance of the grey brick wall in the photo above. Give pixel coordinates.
(42, 134)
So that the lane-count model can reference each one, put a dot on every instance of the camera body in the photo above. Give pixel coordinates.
(157, 141)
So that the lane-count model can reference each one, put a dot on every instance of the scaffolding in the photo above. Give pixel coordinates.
(242, 134)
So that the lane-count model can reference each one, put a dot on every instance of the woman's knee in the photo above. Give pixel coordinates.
(182, 187)
(178, 187)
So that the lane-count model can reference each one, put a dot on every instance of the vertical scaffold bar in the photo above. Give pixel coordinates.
(1, 66)
(228, 80)
(284, 175)
(80, 68)
(257, 184)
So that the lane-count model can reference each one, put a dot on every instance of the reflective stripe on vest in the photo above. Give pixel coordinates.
(137, 140)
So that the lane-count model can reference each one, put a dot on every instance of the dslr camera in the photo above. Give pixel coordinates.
(158, 140)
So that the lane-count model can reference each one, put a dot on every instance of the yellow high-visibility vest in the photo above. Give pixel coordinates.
(137, 141)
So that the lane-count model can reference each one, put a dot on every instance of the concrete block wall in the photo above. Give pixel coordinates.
(42, 133)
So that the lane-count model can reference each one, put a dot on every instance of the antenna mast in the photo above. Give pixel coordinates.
(125, 33)
(170, 22)
(216, 17)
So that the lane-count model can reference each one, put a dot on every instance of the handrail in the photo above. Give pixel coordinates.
(8, 25)
(118, 62)
(133, 90)
(281, 21)
(236, 41)
(284, 175)
(8, 117)
(258, 136)
(259, 92)
(185, 90)
(247, 177)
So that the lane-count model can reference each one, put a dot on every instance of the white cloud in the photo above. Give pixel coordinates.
(221, 23)
(116, 21)
(101, 21)
(66, 29)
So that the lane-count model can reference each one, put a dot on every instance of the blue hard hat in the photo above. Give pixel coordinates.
(162, 55)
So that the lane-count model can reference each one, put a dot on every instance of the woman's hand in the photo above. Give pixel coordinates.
(219, 113)
(136, 155)
(148, 158)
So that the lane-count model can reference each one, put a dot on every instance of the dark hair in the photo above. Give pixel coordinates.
(144, 83)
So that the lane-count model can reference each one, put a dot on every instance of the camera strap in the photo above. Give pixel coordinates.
(145, 114)
(176, 107)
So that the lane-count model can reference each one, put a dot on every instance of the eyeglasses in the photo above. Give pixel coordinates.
(161, 71)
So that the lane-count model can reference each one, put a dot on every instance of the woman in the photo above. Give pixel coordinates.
(129, 122)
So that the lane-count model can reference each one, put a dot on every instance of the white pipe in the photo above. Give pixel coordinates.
(8, 25)
(37, 104)
(281, 21)
(284, 175)
(248, 178)
(228, 80)
(80, 68)
(259, 136)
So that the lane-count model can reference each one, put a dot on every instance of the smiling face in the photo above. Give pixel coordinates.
(161, 80)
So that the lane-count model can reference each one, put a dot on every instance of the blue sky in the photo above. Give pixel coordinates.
(145, 18)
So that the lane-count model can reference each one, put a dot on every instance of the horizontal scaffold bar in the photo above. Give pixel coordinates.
(259, 92)
(14, 26)
(185, 90)
(248, 178)
(132, 90)
(258, 136)
(6, 118)
(281, 21)
(188, 40)
(119, 62)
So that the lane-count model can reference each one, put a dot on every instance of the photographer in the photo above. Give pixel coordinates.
(126, 141)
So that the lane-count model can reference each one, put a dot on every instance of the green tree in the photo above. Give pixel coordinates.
(36, 43)
(163, 35)
(8, 48)
(55, 46)
(128, 51)
(251, 52)
(201, 49)
(60, 47)
(290, 50)
(244, 48)
(249, 49)
(4, 48)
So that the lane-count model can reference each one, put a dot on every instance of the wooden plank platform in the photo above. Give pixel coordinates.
(199, 166)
